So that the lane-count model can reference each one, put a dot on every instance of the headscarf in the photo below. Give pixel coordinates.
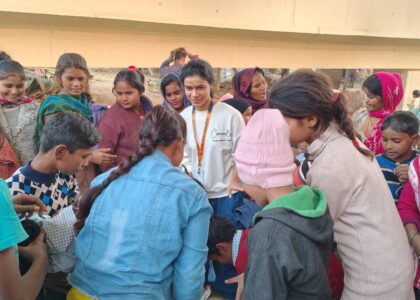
(241, 82)
(166, 103)
(20, 101)
(61, 103)
(392, 94)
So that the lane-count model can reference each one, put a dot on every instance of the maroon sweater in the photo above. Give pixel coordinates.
(120, 130)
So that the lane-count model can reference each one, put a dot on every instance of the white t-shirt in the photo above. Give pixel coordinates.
(222, 136)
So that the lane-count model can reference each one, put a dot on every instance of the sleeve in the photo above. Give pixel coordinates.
(407, 207)
(272, 286)
(187, 160)
(74, 193)
(109, 136)
(164, 67)
(237, 125)
(189, 271)
(11, 230)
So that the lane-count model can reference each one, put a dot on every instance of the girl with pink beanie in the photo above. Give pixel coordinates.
(292, 238)
(369, 234)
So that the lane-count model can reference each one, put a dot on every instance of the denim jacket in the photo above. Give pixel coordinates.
(145, 237)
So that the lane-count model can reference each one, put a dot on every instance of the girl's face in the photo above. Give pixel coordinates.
(127, 96)
(247, 115)
(12, 88)
(301, 130)
(258, 87)
(174, 95)
(373, 102)
(198, 91)
(73, 81)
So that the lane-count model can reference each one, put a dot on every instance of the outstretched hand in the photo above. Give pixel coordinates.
(102, 157)
(26, 205)
(240, 281)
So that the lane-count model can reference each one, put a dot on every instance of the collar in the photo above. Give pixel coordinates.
(235, 244)
(36, 176)
(329, 135)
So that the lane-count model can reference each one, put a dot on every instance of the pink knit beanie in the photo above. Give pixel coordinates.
(264, 156)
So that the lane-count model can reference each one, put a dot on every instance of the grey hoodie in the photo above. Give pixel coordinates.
(289, 248)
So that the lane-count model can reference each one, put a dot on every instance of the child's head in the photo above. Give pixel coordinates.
(384, 91)
(242, 106)
(172, 91)
(220, 238)
(264, 157)
(416, 93)
(128, 89)
(4, 56)
(179, 55)
(309, 104)
(71, 74)
(372, 86)
(399, 135)
(12, 80)
(162, 130)
(198, 79)
(70, 139)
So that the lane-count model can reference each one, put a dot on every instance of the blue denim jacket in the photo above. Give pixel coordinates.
(145, 237)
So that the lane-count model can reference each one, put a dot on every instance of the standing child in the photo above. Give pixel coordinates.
(173, 92)
(359, 200)
(121, 124)
(71, 80)
(384, 92)
(399, 135)
(292, 238)
(67, 142)
(17, 113)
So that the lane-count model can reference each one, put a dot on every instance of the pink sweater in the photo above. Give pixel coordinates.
(120, 129)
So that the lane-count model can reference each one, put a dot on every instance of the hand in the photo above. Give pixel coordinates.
(25, 205)
(234, 183)
(402, 172)
(101, 157)
(416, 245)
(240, 281)
(37, 250)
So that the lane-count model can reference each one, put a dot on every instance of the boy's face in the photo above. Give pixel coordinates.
(225, 253)
(69, 163)
(397, 145)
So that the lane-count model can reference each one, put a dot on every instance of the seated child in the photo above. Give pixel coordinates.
(226, 244)
(67, 142)
(291, 241)
(399, 136)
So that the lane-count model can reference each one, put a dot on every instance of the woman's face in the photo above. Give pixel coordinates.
(127, 96)
(174, 95)
(373, 102)
(12, 88)
(198, 91)
(301, 130)
(258, 87)
(73, 81)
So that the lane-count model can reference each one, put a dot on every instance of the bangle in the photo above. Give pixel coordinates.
(411, 240)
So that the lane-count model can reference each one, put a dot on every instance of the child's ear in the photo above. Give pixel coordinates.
(312, 121)
(222, 248)
(414, 139)
(60, 151)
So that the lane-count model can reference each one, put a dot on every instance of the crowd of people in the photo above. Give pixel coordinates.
(294, 191)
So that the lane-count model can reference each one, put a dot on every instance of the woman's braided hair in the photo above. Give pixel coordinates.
(161, 127)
